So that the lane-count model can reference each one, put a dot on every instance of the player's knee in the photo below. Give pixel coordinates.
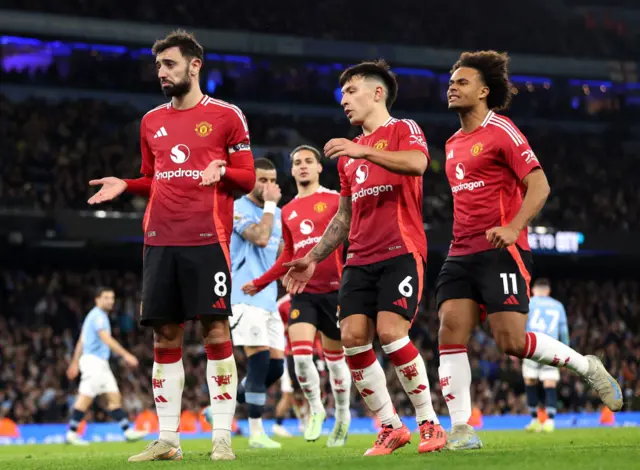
(216, 331)
(509, 343)
(389, 334)
(352, 337)
(452, 330)
(168, 336)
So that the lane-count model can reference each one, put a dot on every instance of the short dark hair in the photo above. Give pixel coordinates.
(101, 290)
(316, 153)
(374, 69)
(493, 67)
(542, 282)
(186, 42)
(263, 164)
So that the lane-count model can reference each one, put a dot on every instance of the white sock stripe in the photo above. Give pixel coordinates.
(302, 350)
(396, 345)
(357, 349)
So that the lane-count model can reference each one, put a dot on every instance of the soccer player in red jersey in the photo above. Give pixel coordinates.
(304, 219)
(498, 186)
(195, 152)
(380, 210)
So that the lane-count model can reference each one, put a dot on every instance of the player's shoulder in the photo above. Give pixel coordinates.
(503, 129)
(403, 125)
(157, 112)
(326, 192)
(456, 135)
(216, 106)
(557, 303)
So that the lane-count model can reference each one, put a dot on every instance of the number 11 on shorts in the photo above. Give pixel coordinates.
(505, 283)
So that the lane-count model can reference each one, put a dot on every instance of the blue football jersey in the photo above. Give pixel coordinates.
(96, 320)
(547, 315)
(249, 261)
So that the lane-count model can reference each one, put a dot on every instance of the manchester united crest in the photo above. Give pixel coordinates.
(320, 207)
(295, 313)
(381, 144)
(476, 149)
(203, 129)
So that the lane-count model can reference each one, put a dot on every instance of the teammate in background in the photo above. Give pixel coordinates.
(256, 324)
(195, 153)
(91, 359)
(547, 317)
(380, 210)
(490, 167)
(304, 219)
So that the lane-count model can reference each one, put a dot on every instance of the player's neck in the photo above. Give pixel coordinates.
(375, 120)
(188, 101)
(253, 199)
(304, 191)
(472, 118)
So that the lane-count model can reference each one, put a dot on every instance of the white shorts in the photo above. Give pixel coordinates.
(96, 377)
(254, 326)
(534, 370)
(285, 381)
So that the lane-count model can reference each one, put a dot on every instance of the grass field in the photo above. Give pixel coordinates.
(583, 449)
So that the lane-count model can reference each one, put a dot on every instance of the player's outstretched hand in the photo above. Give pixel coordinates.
(212, 174)
(300, 272)
(344, 148)
(502, 237)
(112, 187)
(250, 288)
(131, 360)
(72, 371)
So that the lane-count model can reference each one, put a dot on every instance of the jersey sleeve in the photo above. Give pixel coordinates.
(516, 149)
(241, 171)
(277, 270)
(238, 135)
(411, 137)
(100, 322)
(242, 219)
(563, 327)
(345, 186)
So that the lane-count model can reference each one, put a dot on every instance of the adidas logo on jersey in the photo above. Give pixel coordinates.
(293, 215)
(162, 132)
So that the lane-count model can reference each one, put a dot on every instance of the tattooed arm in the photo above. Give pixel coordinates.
(335, 234)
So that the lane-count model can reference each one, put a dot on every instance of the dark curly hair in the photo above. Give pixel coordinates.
(378, 69)
(493, 68)
(186, 42)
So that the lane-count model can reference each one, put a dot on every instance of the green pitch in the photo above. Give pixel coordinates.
(583, 449)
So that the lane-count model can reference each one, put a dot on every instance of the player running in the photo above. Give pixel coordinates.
(380, 210)
(490, 166)
(304, 219)
(256, 324)
(547, 317)
(195, 152)
(91, 359)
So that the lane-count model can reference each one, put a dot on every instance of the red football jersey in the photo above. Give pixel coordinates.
(304, 220)
(177, 146)
(386, 207)
(485, 169)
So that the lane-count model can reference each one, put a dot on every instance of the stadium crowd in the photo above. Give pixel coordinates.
(41, 312)
(550, 29)
(53, 150)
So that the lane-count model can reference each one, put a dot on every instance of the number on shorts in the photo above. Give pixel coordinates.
(505, 283)
(220, 288)
(405, 288)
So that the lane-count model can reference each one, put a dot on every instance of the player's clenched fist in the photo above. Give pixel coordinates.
(213, 173)
(112, 187)
(249, 288)
(344, 148)
(502, 237)
(272, 193)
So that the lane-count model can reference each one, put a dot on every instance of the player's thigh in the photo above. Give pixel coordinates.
(248, 325)
(358, 292)
(504, 278)
(303, 317)
(160, 291)
(204, 281)
(399, 285)
(530, 370)
(275, 332)
(328, 316)
(549, 376)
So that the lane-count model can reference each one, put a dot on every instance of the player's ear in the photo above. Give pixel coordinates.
(194, 67)
(484, 92)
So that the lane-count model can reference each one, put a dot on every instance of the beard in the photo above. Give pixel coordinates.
(178, 90)
(304, 184)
